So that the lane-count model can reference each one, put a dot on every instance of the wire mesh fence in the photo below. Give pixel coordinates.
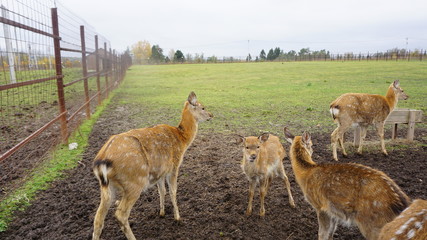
(54, 70)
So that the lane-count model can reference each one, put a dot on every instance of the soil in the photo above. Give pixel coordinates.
(212, 193)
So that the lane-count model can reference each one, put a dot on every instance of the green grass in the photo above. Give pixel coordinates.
(61, 159)
(266, 96)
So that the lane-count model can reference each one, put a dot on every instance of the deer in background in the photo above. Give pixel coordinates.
(262, 160)
(133, 161)
(410, 224)
(363, 109)
(345, 193)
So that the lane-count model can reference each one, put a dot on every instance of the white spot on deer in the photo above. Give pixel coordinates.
(404, 226)
(334, 111)
(411, 234)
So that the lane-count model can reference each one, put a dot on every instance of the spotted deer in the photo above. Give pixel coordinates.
(347, 193)
(262, 160)
(411, 224)
(361, 109)
(131, 162)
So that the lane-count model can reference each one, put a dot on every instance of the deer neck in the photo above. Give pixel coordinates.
(300, 158)
(391, 98)
(188, 126)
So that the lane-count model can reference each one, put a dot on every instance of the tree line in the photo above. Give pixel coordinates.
(145, 53)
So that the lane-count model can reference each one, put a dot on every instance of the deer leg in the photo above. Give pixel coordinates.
(327, 226)
(287, 185)
(380, 130)
(123, 211)
(162, 192)
(334, 142)
(106, 201)
(252, 184)
(265, 182)
(173, 187)
(341, 130)
(362, 137)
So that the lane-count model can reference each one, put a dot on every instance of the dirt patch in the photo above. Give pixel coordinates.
(212, 193)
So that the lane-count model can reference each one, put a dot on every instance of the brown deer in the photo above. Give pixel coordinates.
(262, 160)
(345, 193)
(410, 224)
(361, 109)
(131, 162)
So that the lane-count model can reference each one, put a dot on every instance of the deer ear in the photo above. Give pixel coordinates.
(288, 135)
(192, 99)
(264, 137)
(306, 138)
(240, 139)
(396, 83)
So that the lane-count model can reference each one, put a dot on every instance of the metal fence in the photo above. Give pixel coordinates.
(54, 70)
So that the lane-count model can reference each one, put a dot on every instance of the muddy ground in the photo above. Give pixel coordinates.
(212, 193)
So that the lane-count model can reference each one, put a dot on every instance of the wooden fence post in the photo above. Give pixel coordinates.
(98, 83)
(105, 69)
(84, 67)
(411, 126)
(59, 75)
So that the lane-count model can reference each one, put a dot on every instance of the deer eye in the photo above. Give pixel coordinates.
(257, 147)
(247, 147)
(203, 108)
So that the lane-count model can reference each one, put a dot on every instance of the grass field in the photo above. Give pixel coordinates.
(266, 96)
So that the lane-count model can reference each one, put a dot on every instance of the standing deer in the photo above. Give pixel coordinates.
(410, 224)
(363, 109)
(262, 160)
(347, 193)
(133, 161)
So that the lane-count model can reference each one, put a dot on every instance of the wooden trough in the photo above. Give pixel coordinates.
(398, 116)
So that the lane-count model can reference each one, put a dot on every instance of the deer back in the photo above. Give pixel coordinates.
(410, 224)
(346, 189)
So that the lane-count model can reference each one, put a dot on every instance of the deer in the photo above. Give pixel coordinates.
(133, 161)
(410, 224)
(262, 160)
(362, 109)
(346, 193)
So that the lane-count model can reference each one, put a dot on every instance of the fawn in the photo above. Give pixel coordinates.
(410, 224)
(363, 109)
(133, 161)
(347, 193)
(262, 160)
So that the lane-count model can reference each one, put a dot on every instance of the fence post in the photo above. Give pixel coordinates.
(84, 67)
(59, 75)
(7, 39)
(105, 68)
(98, 83)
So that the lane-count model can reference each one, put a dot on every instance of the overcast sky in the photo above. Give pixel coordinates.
(238, 27)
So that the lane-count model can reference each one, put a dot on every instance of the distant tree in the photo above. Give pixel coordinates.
(141, 51)
(249, 58)
(304, 52)
(270, 55)
(276, 53)
(157, 54)
(179, 56)
(189, 57)
(256, 59)
(171, 54)
(199, 58)
(212, 59)
(262, 55)
(167, 59)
